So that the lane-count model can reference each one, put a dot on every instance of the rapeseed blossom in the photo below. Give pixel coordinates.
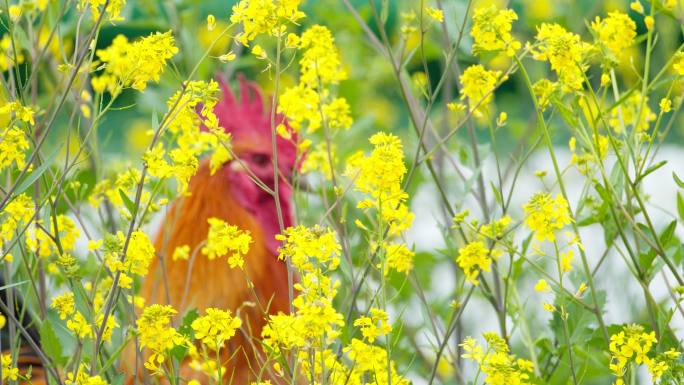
(614, 34)
(157, 335)
(478, 87)
(473, 257)
(215, 328)
(112, 12)
(375, 325)
(633, 345)
(13, 147)
(491, 30)
(309, 103)
(544, 215)
(633, 112)
(224, 239)
(566, 53)
(64, 304)
(268, 17)
(496, 363)
(134, 64)
(18, 211)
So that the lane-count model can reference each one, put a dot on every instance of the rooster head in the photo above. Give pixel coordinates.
(249, 122)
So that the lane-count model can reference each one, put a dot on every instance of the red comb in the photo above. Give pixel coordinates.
(250, 124)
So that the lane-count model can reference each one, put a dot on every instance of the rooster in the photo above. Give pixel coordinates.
(231, 195)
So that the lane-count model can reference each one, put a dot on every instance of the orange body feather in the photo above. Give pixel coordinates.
(199, 283)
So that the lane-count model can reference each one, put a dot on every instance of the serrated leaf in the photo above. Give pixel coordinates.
(51, 344)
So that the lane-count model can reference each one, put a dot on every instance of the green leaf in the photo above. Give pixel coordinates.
(127, 201)
(680, 206)
(37, 173)
(51, 344)
(497, 194)
(650, 170)
(677, 180)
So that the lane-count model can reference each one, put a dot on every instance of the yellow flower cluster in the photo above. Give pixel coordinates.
(585, 161)
(133, 64)
(112, 189)
(566, 53)
(374, 326)
(633, 112)
(18, 211)
(64, 304)
(112, 13)
(268, 17)
(478, 87)
(38, 241)
(633, 344)
(309, 102)
(9, 371)
(371, 365)
(496, 362)
(223, 239)
(12, 147)
(137, 260)
(473, 257)
(678, 63)
(157, 335)
(315, 326)
(314, 253)
(215, 328)
(7, 54)
(82, 378)
(614, 34)
(491, 30)
(544, 215)
(380, 175)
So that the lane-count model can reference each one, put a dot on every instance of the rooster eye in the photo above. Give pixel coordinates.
(260, 159)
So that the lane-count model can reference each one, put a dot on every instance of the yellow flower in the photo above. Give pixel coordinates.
(472, 258)
(374, 326)
(18, 211)
(64, 304)
(566, 261)
(211, 22)
(112, 12)
(157, 335)
(549, 307)
(478, 87)
(12, 148)
(80, 326)
(634, 112)
(216, 327)
(9, 371)
(399, 258)
(264, 17)
(435, 14)
(320, 60)
(665, 105)
(496, 363)
(565, 52)
(544, 215)
(541, 286)
(181, 253)
(224, 238)
(491, 30)
(650, 22)
(678, 63)
(134, 64)
(615, 34)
